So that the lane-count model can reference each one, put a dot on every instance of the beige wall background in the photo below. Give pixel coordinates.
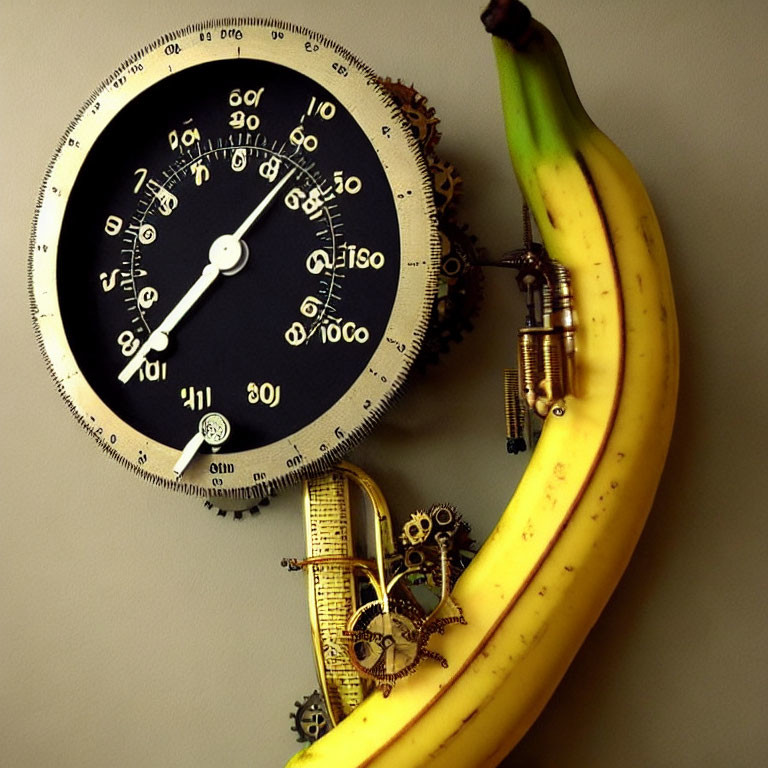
(139, 629)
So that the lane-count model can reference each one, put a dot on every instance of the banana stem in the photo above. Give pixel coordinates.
(543, 113)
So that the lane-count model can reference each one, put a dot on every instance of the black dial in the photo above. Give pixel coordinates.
(312, 300)
(236, 232)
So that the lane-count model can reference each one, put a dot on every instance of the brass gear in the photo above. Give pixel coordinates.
(417, 528)
(237, 509)
(388, 642)
(310, 718)
(447, 185)
(460, 288)
(420, 539)
(414, 106)
(460, 293)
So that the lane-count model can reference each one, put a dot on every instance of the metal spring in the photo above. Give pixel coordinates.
(527, 227)
(562, 302)
(514, 414)
(547, 303)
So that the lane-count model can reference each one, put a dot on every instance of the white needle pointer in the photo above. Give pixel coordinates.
(227, 255)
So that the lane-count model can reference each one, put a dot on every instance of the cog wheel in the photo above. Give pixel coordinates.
(460, 286)
(447, 185)
(447, 520)
(421, 539)
(311, 719)
(414, 106)
(417, 529)
(234, 508)
(460, 293)
(387, 643)
(446, 181)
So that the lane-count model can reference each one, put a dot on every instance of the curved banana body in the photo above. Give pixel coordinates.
(541, 579)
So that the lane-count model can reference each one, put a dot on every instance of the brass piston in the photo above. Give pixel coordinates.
(543, 372)
(546, 345)
(554, 377)
(529, 355)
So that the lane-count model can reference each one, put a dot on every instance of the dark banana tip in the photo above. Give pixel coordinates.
(508, 19)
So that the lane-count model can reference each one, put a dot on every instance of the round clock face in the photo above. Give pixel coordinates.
(234, 257)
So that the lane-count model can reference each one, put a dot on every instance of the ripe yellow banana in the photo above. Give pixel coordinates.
(541, 579)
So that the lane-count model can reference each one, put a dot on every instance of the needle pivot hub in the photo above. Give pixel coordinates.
(228, 254)
(214, 427)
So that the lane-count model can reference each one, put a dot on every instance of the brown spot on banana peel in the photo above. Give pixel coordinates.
(528, 531)
(646, 232)
(548, 207)
(464, 721)
(588, 178)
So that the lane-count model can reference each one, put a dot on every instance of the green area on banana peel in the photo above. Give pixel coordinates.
(543, 114)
